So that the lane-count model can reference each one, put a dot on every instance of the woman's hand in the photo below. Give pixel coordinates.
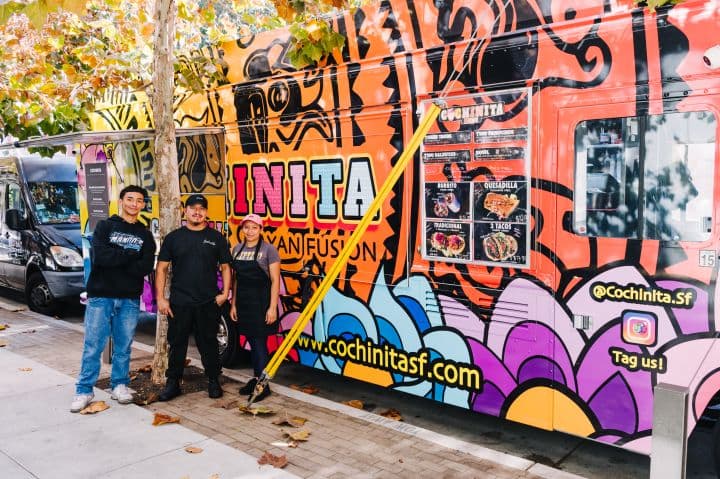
(271, 315)
(233, 313)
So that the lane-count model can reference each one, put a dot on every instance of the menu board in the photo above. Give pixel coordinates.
(476, 180)
(96, 182)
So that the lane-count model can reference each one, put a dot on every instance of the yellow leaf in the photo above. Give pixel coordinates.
(393, 414)
(356, 403)
(256, 410)
(297, 436)
(161, 419)
(4, 326)
(95, 407)
(193, 450)
(3, 343)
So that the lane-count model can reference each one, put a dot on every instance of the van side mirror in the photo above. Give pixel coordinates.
(15, 220)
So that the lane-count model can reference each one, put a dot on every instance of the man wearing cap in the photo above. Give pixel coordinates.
(195, 252)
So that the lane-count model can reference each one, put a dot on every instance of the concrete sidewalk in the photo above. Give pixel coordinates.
(40, 438)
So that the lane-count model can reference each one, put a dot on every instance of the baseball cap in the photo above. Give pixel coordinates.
(253, 218)
(196, 200)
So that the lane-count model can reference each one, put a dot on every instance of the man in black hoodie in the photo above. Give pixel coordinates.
(123, 253)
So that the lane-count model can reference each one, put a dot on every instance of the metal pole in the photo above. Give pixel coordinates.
(669, 436)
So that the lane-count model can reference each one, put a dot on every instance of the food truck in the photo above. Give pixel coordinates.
(549, 257)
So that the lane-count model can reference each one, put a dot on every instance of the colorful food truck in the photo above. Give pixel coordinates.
(551, 255)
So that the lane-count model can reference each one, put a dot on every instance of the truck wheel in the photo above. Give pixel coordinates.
(227, 338)
(39, 297)
(715, 447)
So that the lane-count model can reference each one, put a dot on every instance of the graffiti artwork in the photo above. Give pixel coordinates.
(548, 258)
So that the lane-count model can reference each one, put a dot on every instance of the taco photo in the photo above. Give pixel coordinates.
(447, 240)
(501, 242)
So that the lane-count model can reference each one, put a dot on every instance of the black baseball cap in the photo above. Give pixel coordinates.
(196, 199)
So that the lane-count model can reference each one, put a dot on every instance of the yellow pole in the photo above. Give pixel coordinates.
(326, 283)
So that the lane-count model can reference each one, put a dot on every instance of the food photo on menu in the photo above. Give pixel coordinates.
(503, 200)
(447, 200)
(501, 242)
(448, 240)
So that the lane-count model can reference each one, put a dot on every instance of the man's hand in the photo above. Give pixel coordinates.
(271, 315)
(233, 313)
(164, 307)
(220, 299)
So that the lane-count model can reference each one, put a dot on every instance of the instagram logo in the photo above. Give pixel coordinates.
(639, 328)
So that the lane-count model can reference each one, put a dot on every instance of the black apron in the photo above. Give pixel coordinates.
(252, 298)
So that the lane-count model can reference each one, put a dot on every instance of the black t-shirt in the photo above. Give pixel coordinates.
(195, 256)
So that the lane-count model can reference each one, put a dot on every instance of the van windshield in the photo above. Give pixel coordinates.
(55, 201)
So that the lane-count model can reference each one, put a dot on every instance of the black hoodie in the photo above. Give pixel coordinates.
(122, 255)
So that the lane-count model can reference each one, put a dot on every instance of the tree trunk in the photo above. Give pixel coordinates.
(166, 165)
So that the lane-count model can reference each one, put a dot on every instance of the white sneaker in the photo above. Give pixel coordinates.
(122, 394)
(81, 401)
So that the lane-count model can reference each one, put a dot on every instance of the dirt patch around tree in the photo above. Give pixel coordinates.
(145, 392)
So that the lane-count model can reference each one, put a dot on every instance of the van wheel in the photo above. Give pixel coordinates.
(227, 338)
(715, 447)
(39, 297)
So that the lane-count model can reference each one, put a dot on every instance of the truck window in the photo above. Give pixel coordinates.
(645, 177)
(55, 201)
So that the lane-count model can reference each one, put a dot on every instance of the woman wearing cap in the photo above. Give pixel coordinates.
(256, 289)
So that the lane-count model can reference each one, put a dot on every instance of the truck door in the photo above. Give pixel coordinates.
(16, 259)
(4, 241)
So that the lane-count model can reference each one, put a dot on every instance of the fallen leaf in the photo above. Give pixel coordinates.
(297, 436)
(227, 404)
(25, 370)
(151, 399)
(145, 369)
(275, 461)
(295, 421)
(187, 362)
(356, 403)
(214, 476)
(134, 377)
(309, 389)
(401, 461)
(256, 410)
(161, 419)
(284, 444)
(3, 343)
(95, 407)
(194, 450)
(393, 414)
(4, 326)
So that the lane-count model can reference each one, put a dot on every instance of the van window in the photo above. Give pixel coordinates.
(13, 198)
(645, 177)
(55, 201)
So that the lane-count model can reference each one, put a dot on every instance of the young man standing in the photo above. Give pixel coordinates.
(122, 254)
(195, 251)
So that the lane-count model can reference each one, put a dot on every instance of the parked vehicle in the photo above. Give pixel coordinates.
(40, 229)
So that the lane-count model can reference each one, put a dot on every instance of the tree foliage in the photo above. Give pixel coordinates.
(54, 71)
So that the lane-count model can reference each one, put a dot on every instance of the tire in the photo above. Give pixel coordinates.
(715, 447)
(39, 297)
(228, 341)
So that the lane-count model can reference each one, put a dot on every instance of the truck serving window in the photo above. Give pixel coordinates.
(645, 177)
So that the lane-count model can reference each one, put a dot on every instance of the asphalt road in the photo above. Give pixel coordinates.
(569, 453)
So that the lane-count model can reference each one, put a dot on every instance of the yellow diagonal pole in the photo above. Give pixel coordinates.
(317, 297)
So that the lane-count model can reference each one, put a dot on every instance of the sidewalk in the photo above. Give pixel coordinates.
(343, 443)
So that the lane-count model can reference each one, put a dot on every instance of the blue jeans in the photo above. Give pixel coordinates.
(103, 317)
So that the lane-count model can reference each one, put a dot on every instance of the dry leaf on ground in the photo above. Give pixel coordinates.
(3, 343)
(275, 461)
(145, 369)
(151, 399)
(307, 389)
(161, 419)
(25, 370)
(194, 450)
(256, 410)
(227, 404)
(393, 414)
(214, 476)
(133, 378)
(4, 326)
(95, 407)
(296, 436)
(356, 403)
(294, 421)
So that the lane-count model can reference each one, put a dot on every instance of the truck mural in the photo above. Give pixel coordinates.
(550, 256)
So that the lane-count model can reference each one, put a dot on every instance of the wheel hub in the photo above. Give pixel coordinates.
(41, 295)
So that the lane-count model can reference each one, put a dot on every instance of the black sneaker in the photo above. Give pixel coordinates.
(214, 389)
(172, 390)
(249, 387)
(265, 393)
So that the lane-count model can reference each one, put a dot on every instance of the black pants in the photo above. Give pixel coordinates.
(202, 320)
(259, 355)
